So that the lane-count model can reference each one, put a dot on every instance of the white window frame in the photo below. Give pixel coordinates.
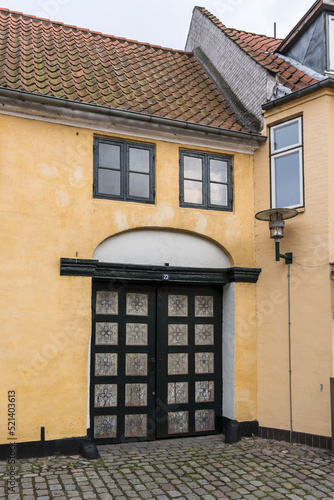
(281, 152)
(330, 48)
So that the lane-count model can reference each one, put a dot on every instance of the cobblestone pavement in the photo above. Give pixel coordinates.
(193, 468)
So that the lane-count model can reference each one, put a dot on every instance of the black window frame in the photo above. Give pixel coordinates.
(124, 170)
(206, 157)
(280, 152)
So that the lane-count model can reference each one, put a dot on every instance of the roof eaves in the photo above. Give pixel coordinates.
(128, 114)
(328, 82)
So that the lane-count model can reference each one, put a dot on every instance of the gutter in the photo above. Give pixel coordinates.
(130, 115)
(328, 82)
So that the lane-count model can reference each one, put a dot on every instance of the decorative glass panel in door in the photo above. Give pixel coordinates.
(189, 354)
(156, 362)
(123, 368)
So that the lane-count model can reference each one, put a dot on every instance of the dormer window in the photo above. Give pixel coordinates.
(311, 42)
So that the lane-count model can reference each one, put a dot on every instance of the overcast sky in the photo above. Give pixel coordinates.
(165, 23)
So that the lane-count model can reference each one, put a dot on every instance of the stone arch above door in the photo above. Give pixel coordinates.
(158, 247)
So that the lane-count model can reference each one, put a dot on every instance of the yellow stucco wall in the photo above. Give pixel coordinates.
(309, 237)
(48, 212)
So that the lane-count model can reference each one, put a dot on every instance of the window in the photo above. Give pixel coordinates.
(330, 44)
(286, 145)
(205, 181)
(123, 170)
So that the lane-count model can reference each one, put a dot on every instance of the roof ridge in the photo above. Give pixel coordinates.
(87, 30)
(218, 23)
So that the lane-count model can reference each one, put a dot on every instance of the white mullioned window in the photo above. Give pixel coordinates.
(286, 156)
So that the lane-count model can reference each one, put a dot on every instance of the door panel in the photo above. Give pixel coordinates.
(156, 362)
(189, 360)
(123, 371)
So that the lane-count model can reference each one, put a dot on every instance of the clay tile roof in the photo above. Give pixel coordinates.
(53, 59)
(262, 49)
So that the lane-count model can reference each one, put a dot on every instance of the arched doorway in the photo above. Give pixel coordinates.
(156, 355)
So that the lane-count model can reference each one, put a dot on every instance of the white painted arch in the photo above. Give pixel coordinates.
(157, 247)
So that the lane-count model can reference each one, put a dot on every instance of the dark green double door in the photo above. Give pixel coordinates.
(156, 362)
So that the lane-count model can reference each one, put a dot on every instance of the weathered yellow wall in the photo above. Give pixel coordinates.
(48, 212)
(307, 236)
(330, 121)
(245, 353)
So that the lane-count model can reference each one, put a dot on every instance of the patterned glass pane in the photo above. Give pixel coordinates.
(204, 362)
(135, 425)
(106, 364)
(204, 391)
(106, 334)
(178, 422)
(137, 304)
(177, 305)
(204, 335)
(136, 334)
(204, 420)
(136, 395)
(177, 334)
(106, 302)
(178, 393)
(204, 306)
(178, 363)
(105, 395)
(136, 364)
(105, 426)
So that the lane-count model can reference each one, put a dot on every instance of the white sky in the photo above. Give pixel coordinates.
(165, 23)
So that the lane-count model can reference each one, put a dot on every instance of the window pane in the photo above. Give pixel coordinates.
(218, 194)
(109, 156)
(287, 135)
(218, 171)
(192, 168)
(139, 160)
(109, 182)
(193, 192)
(331, 42)
(139, 185)
(287, 180)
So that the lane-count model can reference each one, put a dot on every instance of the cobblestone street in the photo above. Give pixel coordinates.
(192, 468)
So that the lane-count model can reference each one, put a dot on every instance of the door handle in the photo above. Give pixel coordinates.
(153, 361)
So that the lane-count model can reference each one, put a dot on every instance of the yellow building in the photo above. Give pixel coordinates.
(142, 298)
(288, 90)
(128, 264)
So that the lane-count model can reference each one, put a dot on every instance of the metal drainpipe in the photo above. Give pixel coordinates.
(290, 364)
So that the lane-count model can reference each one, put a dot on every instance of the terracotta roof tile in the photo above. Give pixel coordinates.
(262, 49)
(77, 64)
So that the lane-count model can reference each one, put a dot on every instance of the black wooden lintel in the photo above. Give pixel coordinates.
(157, 274)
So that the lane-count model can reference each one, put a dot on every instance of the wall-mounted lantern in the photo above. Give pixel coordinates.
(276, 218)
